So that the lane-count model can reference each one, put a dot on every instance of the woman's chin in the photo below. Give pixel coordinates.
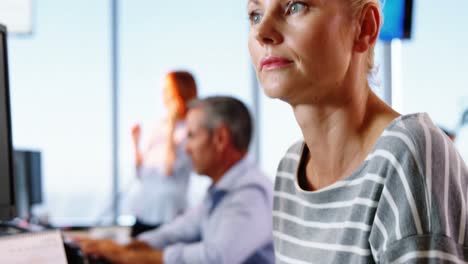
(275, 91)
(276, 85)
(283, 95)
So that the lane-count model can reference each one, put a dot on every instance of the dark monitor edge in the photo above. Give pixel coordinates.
(8, 210)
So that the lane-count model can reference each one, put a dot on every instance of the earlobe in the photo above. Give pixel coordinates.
(222, 136)
(369, 27)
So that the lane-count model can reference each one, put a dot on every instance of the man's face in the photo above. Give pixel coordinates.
(200, 145)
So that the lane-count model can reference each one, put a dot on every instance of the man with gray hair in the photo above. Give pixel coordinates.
(233, 223)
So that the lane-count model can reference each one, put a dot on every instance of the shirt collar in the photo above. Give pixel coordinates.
(231, 177)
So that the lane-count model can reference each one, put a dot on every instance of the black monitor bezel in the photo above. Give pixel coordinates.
(408, 21)
(8, 210)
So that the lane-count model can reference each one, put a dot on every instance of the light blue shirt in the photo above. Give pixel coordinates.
(232, 225)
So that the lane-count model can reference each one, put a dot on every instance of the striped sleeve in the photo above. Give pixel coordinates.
(430, 248)
(422, 213)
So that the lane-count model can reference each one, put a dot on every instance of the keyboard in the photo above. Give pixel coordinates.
(75, 256)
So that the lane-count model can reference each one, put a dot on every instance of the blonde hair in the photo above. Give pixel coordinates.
(356, 8)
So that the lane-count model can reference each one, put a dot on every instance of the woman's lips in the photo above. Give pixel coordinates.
(273, 63)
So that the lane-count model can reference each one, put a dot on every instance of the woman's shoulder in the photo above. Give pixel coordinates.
(415, 143)
(414, 131)
(154, 127)
(413, 121)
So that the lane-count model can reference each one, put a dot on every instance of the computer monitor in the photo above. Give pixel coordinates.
(7, 194)
(28, 181)
(397, 20)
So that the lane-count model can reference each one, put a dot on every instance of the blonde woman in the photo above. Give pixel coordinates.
(365, 184)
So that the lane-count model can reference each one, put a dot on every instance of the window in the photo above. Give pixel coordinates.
(60, 88)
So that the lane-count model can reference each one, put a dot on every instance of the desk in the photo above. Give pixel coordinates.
(39, 248)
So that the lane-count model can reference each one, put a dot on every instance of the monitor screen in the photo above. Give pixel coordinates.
(7, 195)
(397, 20)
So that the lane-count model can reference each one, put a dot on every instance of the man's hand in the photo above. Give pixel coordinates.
(138, 245)
(103, 248)
(135, 252)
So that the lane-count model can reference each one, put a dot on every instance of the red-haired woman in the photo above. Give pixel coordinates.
(162, 165)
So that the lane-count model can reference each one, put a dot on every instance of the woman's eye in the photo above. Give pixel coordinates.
(295, 7)
(255, 18)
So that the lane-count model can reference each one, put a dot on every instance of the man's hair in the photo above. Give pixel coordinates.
(228, 111)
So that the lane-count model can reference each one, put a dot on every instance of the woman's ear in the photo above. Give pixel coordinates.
(369, 27)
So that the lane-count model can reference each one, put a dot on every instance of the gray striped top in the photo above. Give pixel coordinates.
(405, 204)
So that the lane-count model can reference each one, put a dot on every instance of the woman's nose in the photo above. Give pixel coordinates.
(268, 31)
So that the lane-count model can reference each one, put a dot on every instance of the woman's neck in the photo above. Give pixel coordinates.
(340, 137)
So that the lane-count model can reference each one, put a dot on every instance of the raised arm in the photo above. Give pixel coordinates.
(136, 136)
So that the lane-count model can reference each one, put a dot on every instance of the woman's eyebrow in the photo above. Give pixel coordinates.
(255, 2)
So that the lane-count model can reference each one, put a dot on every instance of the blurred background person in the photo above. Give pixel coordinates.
(450, 134)
(233, 223)
(162, 166)
(461, 141)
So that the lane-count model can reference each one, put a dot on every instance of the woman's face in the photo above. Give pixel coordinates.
(300, 49)
(169, 97)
